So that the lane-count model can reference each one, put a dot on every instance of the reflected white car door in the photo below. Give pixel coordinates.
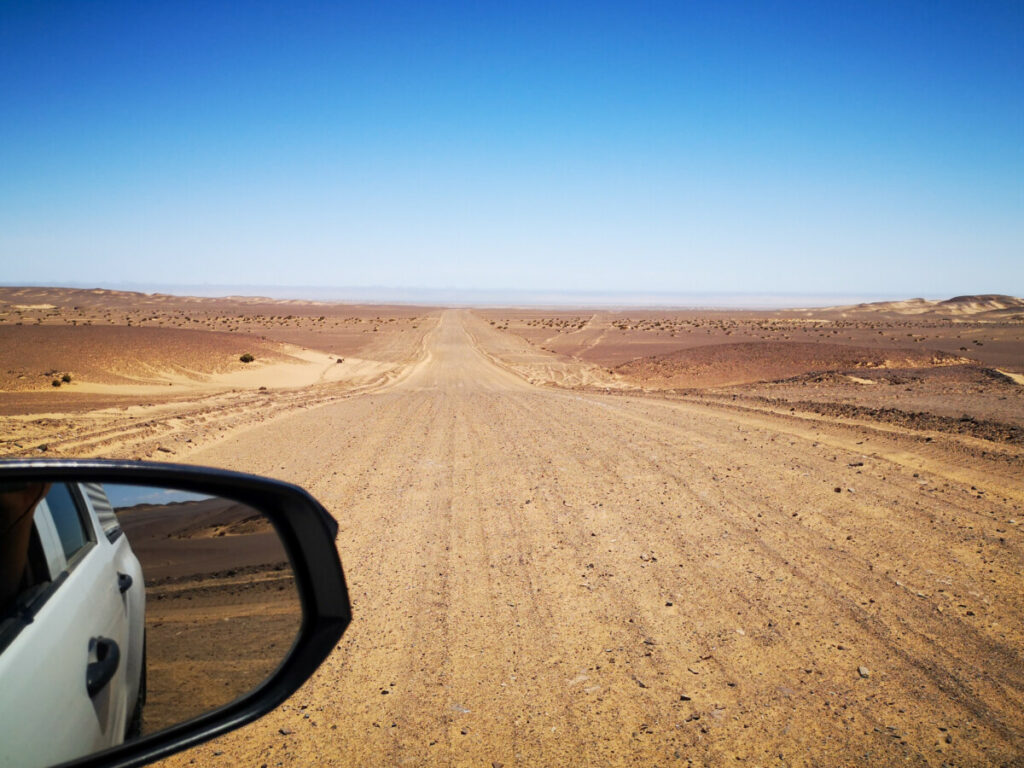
(47, 712)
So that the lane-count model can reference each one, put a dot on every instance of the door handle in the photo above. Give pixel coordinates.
(98, 673)
(124, 582)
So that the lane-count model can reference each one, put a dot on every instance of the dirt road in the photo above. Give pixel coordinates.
(544, 577)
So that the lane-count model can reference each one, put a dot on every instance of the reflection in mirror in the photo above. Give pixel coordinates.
(127, 609)
(222, 610)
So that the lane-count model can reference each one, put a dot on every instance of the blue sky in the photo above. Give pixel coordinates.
(869, 148)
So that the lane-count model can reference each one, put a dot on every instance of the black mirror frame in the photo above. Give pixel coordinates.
(307, 532)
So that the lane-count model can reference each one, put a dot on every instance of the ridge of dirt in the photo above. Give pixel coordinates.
(983, 430)
(966, 425)
(749, 361)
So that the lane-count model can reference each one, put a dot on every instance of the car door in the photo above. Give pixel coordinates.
(130, 584)
(64, 685)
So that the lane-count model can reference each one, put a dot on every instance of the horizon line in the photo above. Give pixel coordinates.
(492, 297)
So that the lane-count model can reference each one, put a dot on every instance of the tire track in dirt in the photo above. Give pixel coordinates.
(838, 588)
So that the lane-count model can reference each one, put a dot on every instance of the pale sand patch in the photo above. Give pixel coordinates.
(859, 380)
(357, 370)
(310, 367)
(1017, 377)
(304, 368)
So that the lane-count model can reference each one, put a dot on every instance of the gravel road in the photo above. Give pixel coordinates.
(548, 577)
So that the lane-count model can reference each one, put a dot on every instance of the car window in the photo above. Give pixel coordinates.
(67, 518)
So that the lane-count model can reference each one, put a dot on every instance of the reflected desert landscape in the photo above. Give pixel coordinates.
(222, 609)
(571, 536)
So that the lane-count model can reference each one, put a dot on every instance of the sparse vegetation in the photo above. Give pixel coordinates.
(247, 358)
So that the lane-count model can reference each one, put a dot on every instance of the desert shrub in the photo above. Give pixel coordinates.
(66, 378)
(247, 358)
(56, 382)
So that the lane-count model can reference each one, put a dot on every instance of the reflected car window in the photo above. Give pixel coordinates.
(104, 511)
(67, 519)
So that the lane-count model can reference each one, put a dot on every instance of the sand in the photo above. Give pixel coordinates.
(554, 563)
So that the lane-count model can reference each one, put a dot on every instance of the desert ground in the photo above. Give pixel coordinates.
(222, 609)
(599, 537)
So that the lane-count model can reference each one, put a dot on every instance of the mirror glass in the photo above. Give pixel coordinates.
(127, 609)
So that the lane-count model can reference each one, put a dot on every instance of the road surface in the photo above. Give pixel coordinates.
(549, 577)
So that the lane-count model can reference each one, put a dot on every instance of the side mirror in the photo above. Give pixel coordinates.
(146, 608)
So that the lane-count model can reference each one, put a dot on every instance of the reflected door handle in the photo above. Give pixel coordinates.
(98, 673)
(124, 582)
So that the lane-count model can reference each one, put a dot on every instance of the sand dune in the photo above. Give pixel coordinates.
(992, 306)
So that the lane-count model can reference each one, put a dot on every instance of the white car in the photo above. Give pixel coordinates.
(72, 648)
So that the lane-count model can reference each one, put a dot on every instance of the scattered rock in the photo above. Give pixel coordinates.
(863, 671)
(285, 731)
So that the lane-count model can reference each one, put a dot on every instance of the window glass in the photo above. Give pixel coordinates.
(66, 518)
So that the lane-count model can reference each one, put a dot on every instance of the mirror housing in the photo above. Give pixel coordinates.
(307, 533)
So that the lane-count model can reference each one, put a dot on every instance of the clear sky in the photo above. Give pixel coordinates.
(855, 147)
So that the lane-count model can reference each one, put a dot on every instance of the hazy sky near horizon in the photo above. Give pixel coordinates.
(818, 147)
